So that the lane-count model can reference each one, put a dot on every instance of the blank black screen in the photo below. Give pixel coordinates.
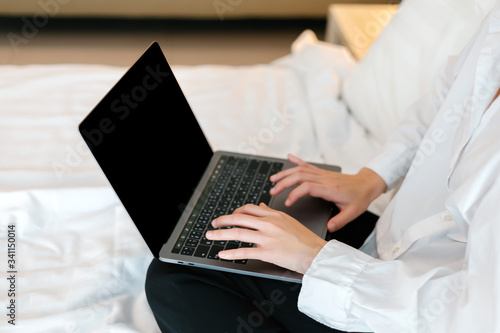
(149, 145)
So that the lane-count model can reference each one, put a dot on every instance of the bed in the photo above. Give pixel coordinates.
(72, 260)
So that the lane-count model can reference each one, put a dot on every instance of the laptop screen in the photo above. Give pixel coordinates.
(149, 145)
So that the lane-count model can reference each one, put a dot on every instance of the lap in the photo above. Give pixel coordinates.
(189, 299)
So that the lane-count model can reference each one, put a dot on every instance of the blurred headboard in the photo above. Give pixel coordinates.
(200, 9)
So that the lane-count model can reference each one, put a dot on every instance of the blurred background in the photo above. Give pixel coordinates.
(191, 32)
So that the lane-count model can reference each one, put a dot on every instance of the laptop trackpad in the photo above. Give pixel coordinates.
(312, 212)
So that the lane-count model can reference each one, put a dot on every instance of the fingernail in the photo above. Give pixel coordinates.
(208, 234)
(287, 202)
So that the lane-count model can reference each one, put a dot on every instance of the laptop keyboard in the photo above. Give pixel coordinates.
(236, 181)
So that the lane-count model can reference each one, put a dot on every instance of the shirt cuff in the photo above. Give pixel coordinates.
(326, 291)
(392, 164)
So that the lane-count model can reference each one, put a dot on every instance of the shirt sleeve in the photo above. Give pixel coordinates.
(394, 160)
(348, 290)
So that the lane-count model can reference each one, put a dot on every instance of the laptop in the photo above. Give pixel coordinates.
(147, 141)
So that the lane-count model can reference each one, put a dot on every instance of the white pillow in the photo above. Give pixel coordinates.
(405, 59)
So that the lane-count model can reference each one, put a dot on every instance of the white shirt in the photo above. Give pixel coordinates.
(433, 261)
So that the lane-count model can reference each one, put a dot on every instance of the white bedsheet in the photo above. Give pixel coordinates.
(80, 262)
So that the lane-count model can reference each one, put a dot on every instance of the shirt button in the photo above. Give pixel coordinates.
(448, 218)
(395, 250)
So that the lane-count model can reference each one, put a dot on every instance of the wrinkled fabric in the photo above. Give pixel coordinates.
(432, 264)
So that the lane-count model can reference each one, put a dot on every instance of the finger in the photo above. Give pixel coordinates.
(296, 160)
(314, 189)
(241, 253)
(301, 163)
(236, 220)
(253, 210)
(262, 204)
(240, 234)
(340, 220)
(301, 166)
(283, 174)
(293, 179)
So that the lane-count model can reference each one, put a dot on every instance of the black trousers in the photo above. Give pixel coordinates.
(189, 299)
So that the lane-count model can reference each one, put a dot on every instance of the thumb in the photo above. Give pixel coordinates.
(345, 216)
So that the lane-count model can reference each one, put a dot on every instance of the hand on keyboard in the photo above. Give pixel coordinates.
(280, 239)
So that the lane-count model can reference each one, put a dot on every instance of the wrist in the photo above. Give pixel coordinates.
(315, 250)
(374, 184)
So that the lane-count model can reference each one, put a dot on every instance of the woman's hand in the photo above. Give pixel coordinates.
(279, 238)
(351, 193)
